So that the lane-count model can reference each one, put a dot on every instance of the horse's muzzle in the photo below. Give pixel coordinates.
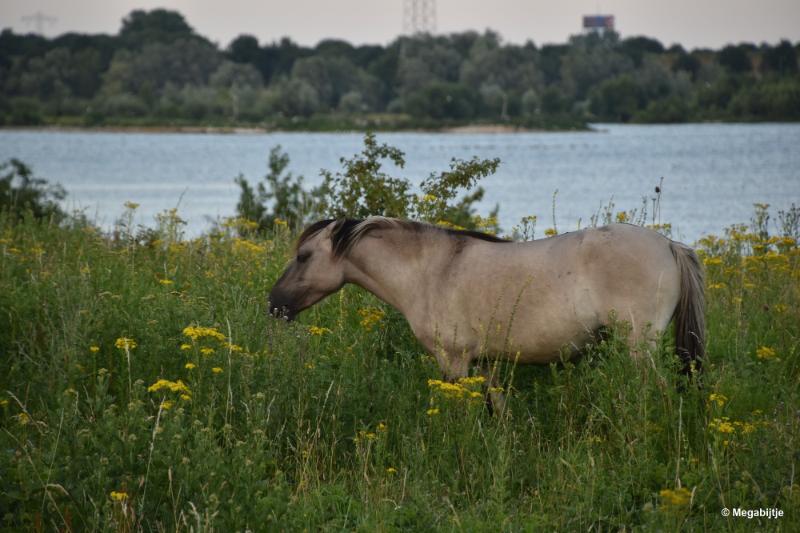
(280, 308)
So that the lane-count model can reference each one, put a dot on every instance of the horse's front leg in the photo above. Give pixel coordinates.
(495, 398)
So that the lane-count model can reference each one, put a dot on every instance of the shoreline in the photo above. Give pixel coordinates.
(258, 130)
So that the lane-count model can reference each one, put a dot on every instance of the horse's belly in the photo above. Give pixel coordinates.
(543, 345)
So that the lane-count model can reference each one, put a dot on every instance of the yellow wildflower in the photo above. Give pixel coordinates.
(245, 246)
(206, 351)
(124, 343)
(280, 222)
(197, 332)
(675, 498)
(370, 316)
(318, 331)
(167, 404)
(166, 281)
(94, 349)
(120, 496)
(186, 397)
(432, 412)
(708, 261)
(765, 353)
(174, 386)
(716, 286)
(550, 232)
(719, 399)
(216, 370)
(391, 470)
(3, 403)
(382, 426)
(189, 366)
(24, 419)
(622, 216)
(475, 380)
(185, 346)
(722, 425)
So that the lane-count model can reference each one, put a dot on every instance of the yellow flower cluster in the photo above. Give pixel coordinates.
(364, 435)
(174, 386)
(318, 331)
(245, 246)
(464, 388)
(727, 426)
(124, 343)
(675, 499)
(370, 316)
(198, 332)
(119, 496)
(766, 353)
(719, 399)
(550, 232)
(240, 223)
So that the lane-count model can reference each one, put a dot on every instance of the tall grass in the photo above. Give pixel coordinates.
(332, 423)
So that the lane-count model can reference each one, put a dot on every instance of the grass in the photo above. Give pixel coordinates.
(331, 423)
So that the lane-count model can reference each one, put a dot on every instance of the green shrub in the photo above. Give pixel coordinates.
(21, 193)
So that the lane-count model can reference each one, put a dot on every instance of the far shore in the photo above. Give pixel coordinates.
(255, 130)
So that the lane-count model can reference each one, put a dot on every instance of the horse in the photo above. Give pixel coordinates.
(469, 295)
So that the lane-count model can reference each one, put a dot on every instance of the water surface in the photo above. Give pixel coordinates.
(713, 173)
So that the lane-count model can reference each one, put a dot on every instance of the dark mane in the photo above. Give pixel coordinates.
(348, 231)
(476, 235)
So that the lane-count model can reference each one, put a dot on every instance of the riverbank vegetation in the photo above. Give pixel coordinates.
(159, 72)
(144, 387)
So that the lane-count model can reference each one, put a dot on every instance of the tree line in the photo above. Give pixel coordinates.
(157, 70)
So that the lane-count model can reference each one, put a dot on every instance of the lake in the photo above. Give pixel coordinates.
(713, 173)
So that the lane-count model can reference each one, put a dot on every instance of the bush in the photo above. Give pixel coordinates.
(363, 188)
(21, 193)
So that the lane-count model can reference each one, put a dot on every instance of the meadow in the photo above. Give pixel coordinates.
(143, 386)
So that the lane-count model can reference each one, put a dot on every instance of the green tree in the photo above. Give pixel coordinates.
(781, 59)
(735, 59)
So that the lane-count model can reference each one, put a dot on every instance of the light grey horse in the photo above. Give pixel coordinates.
(468, 294)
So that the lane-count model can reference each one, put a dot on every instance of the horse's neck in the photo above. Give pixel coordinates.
(395, 268)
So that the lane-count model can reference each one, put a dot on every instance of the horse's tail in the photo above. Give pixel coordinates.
(690, 327)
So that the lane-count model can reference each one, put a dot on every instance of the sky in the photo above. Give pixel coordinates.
(691, 23)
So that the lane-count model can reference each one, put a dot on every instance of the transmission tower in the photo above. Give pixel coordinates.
(419, 16)
(38, 21)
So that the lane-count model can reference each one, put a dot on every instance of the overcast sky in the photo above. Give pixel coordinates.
(692, 23)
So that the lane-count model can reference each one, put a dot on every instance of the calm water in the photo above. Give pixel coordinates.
(712, 173)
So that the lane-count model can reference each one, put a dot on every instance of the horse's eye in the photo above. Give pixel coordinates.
(303, 257)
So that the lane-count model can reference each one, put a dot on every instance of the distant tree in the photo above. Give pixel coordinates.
(590, 60)
(147, 71)
(331, 77)
(553, 101)
(781, 59)
(688, 63)
(441, 100)
(637, 47)
(616, 99)
(141, 28)
(735, 59)
(244, 49)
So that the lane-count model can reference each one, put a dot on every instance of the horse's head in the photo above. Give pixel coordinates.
(314, 273)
